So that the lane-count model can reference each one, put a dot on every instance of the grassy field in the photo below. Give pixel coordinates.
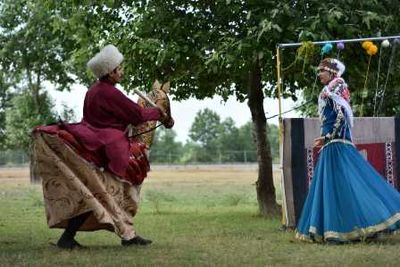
(195, 218)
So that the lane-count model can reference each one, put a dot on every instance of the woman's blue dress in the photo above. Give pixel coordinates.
(348, 199)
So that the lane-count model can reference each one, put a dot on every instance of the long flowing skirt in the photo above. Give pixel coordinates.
(73, 186)
(348, 199)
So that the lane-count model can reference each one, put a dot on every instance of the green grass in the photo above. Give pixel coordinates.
(194, 218)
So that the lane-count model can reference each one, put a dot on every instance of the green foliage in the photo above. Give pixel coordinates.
(246, 137)
(165, 149)
(213, 137)
(34, 49)
(190, 152)
(203, 47)
(273, 137)
(211, 140)
(5, 97)
(205, 128)
(22, 116)
(67, 114)
(347, 20)
(6, 83)
(205, 131)
(216, 141)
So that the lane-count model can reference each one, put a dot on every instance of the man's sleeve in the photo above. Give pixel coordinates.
(128, 111)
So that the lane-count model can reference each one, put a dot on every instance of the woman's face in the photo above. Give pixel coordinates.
(324, 76)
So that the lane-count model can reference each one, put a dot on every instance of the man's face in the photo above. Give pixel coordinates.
(117, 74)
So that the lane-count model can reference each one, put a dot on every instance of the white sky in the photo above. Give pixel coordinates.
(184, 112)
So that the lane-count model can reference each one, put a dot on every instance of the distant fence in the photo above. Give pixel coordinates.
(12, 158)
(201, 157)
(15, 158)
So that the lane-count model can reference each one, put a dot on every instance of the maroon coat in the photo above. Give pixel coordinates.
(106, 115)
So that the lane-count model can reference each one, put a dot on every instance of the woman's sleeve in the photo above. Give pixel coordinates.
(128, 111)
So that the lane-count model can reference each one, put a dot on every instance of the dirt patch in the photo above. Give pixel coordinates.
(14, 173)
(223, 175)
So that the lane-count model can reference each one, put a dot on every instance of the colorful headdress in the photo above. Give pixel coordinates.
(333, 66)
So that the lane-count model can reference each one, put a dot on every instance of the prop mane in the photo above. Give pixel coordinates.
(145, 131)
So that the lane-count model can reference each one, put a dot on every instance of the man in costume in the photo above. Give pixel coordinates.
(91, 171)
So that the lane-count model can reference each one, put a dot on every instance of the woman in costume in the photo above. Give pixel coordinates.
(348, 199)
(91, 172)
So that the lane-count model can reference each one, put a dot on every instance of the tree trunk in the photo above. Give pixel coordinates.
(264, 186)
(32, 167)
(34, 88)
(35, 93)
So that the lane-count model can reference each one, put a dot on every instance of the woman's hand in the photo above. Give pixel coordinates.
(319, 142)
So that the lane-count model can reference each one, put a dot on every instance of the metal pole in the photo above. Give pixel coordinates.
(283, 45)
(280, 135)
(279, 87)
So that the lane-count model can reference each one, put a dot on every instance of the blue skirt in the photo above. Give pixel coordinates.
(348, 199)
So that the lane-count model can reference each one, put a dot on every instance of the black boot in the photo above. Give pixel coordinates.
(136, 241)
(67, 240)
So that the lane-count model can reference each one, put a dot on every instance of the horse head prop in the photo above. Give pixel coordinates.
(159, 96)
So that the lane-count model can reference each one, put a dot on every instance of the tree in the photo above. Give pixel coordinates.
(67, 114)
(205, 131)
(274, 141)
(5, 101)
(228, 142)
(190, 152)
(228, 47)
(32, 51)
(216, 47)
(165, 149)
(225, 47)
(215, 141)
(22, 116)
(246, 141)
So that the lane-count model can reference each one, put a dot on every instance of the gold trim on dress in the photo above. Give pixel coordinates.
(356, 234)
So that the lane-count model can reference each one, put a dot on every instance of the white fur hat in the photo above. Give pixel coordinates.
(105, 61)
